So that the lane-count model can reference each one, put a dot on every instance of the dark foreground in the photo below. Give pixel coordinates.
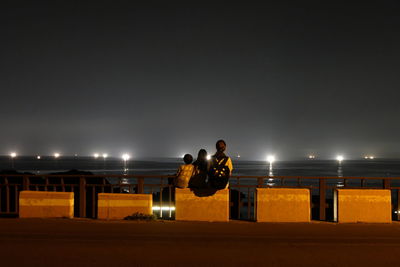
(62, 242)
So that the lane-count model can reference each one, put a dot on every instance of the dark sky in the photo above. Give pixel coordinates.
(161, 81)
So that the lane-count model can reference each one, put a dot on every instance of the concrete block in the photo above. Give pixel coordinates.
(43, 204)
(362, 205)
(199, 206)
(283, 205)
(118, 206)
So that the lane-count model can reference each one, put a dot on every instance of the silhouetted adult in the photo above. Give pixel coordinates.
(201, 165)
(221, 167)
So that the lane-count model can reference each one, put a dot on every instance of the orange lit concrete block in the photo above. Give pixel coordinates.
(362, 205)
(118, 206)
(283, 205)
(42, 204)
(211, 208)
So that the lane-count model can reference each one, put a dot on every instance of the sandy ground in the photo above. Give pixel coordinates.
(63, 242)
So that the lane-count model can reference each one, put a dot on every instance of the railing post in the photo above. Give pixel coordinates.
(322, 199)
(25, 183)
(398, 204)
(82, 197)
(140, 185)
(386, 183)
(260, 182)
(7, 194)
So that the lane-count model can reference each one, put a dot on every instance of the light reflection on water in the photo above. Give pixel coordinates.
(324, 168)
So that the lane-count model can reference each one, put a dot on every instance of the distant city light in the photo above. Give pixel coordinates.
(56, 155)
(13, 154)
(208, 157)
(311, 156)
(369, 157)
(95, 155)
(163, 208)
(126, 157)
(105, 155)
(38, 157)
(339, 158)
(271, 159)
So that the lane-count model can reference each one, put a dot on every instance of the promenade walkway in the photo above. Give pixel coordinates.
(82, 242)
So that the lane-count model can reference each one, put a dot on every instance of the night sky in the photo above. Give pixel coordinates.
(161, 81)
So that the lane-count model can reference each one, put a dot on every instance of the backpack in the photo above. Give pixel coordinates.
(182, 180)
(219, 174)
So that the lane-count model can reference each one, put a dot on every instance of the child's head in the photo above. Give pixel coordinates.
(220, 145)
(202, 155)
(188, 158)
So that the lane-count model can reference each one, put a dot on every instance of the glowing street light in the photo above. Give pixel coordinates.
(95, 155)
(208, 157)
(38, 157)
(56, 156)
(13, 155)
(271, 159)
(105, 155)
(340, 158)
(125, 158)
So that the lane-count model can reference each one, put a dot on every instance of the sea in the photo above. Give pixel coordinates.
(168, 166)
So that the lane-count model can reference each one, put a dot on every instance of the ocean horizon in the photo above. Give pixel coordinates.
(168, 166)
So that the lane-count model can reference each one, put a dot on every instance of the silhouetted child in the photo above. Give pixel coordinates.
(221, 167)
(201, 166)
(185, 172)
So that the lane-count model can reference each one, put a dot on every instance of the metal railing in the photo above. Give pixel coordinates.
(242, 191)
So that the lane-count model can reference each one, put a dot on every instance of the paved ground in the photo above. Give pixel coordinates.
(63, 242)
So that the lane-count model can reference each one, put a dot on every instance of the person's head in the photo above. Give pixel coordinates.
(187, 159)
(220, 145)
(202, 155)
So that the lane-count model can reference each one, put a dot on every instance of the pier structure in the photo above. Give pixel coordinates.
(251, 198)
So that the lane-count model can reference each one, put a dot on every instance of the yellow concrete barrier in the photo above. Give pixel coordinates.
(118, 206)
(43, 204)
(189, 206)
(283, 205)
(362, 205)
